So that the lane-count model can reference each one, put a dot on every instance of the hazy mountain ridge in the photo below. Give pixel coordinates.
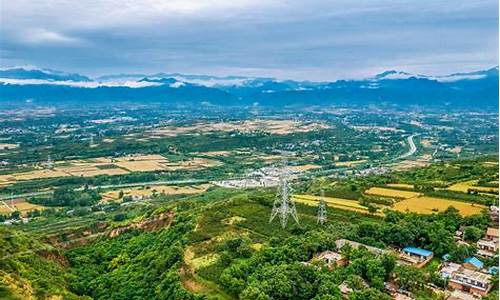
(479, 88)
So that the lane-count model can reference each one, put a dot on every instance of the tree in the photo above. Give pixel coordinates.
(472, 234)
(15, 215)
(372, 208)
(369, 294)
(409, 278)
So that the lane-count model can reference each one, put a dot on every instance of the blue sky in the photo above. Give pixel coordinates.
(316, 40)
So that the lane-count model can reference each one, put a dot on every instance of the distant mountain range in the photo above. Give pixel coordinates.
(42, 86)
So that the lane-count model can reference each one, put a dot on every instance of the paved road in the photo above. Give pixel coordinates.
(413, 147)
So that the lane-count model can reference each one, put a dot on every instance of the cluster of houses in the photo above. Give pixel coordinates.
(469, 280)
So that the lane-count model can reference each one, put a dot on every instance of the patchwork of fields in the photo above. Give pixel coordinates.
(7, 206)
(406, 200)
(280, 127)
(109, 166)
(148, 191)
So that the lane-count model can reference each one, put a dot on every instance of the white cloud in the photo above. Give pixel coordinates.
(41, 36)
(83, 84)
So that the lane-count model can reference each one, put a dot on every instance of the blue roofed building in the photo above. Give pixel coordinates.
(472, 263)
(493, 270)
(416, 256)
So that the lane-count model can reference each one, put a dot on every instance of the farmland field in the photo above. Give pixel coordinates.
(19, 204)
(108, 166)
(428, 205)
(377, 191)
(333, 202)
(280, 127)
(470, 185)
(400, 185)
(160, 189)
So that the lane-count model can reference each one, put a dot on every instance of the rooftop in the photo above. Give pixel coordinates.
(417, 251)
(486, 243)
(474, 275)
(474, 261)
(492, 232)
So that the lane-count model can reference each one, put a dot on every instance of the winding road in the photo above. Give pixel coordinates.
(412, 150)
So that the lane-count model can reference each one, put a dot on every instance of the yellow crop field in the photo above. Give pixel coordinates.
(215, 153)
(466, 185)
(400, 185)
(8, 146)
(333, 202)
(88, 170)
(271, 126)
(428, 205)
(140, 166)
(377, 191)
(305, 167)
(159, 189)
(350, 163)
(19, 204)
(4, 209)
(25, 207)
(39, 174)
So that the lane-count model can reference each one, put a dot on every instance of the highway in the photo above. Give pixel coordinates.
(412, 150)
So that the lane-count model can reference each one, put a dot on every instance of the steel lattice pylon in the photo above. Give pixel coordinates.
(50, 164)
(322, 209)
(283, 205)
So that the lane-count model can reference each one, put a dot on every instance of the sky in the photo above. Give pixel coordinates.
(307, 40)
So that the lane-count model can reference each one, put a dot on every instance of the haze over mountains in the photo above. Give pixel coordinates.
(42, 86)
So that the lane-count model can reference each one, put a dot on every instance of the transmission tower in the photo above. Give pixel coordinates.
(283, 205)
(322, 209)
(49, 162)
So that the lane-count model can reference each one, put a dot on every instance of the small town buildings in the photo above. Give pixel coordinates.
(492, 234)
(488, 246)
(470, 281)
(448, 268)
(494, 213)
(493, 270)
(416, 256)
(332, 259)
(459, 295)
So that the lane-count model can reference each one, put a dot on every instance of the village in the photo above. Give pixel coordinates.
(465, 280)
